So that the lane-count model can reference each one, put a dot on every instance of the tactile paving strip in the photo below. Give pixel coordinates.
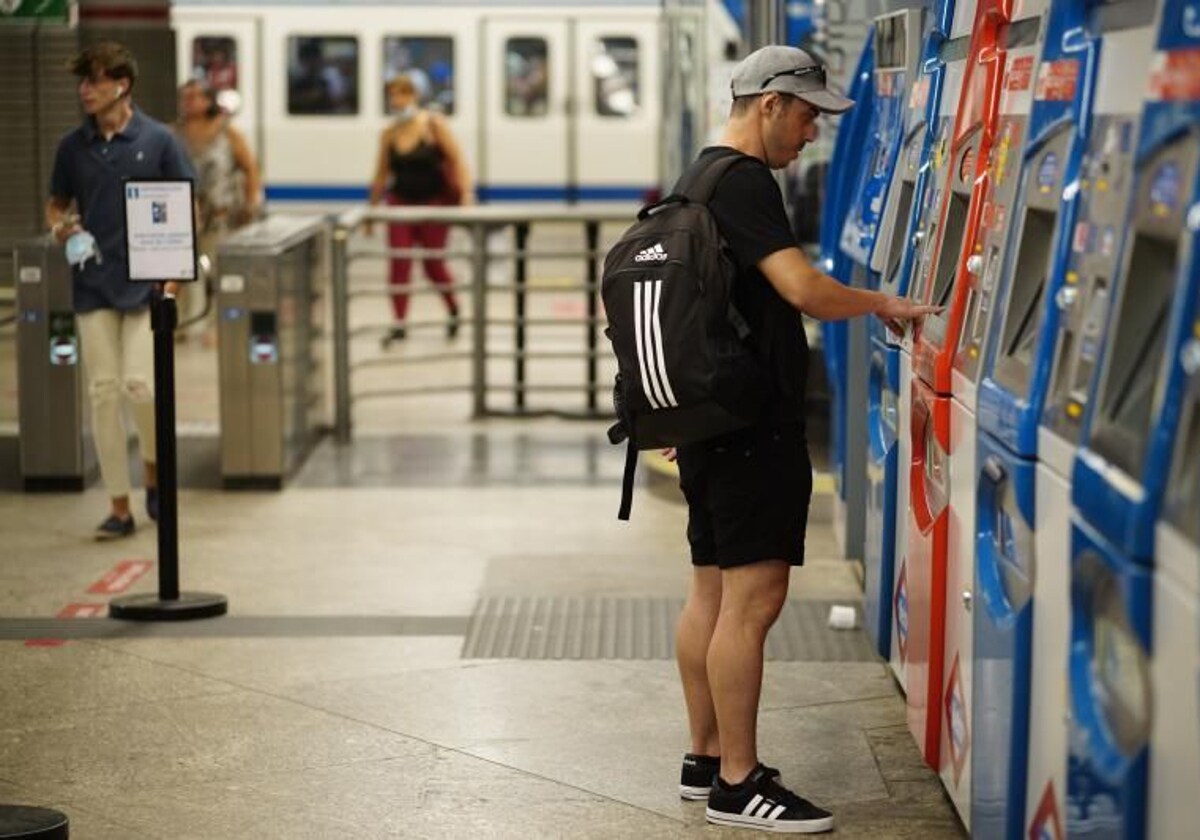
(511, 627)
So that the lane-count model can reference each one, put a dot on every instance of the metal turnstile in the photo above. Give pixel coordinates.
(54, 454)
(268, 308)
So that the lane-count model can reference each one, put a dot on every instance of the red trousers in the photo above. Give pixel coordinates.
(431, 236)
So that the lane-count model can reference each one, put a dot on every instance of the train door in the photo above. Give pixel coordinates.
(223, 51)
(570, 109)
(616, 109)
(524, 147)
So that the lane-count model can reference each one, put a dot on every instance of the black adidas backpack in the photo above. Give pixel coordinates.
(685, 369)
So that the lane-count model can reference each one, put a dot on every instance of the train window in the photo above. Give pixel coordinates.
(526, 77)
(215, 61)
(429, 62)
(615, 76)
(322, 75)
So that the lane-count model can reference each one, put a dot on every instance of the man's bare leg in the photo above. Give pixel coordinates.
(692, 636)
(751, 599)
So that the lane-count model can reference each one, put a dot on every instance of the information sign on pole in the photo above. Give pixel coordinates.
(161, 230)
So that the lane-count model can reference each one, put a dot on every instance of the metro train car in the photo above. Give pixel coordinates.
(559, 102)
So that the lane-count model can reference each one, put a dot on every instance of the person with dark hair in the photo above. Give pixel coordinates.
(748, 491)
(419, 162)
(228, 187)
(85, 212)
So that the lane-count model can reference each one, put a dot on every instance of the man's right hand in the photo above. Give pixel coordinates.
(896, 311)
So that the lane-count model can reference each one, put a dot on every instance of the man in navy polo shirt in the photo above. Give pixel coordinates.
(115, 143)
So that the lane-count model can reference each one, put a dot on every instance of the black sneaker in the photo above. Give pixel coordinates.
(762, 802)
(393, 334)
(696, 779)
(700, 771)
(114, 528)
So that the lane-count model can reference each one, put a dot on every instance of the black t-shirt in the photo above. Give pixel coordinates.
(748, 208)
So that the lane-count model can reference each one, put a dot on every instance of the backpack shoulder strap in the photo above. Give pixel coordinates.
(699, 183)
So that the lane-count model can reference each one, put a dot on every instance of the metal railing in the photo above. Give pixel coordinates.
(479, 223)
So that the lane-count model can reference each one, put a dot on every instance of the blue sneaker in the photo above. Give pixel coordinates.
(152, 503)
(113, 528)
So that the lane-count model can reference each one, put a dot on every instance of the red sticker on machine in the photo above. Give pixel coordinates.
(1046, 824)
(957, 727)
(1175, 76)
(1020, 74)
(1058, 80)
(920, 94)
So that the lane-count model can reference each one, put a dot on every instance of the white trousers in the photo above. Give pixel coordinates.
(118, 359)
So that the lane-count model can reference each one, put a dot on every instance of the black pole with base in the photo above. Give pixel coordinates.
(169, 604)
(33, 823)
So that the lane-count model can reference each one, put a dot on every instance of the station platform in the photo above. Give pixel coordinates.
(437, 630)
(460, 642)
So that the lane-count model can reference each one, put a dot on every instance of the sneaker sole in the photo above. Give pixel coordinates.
(694, 794)
(777, 826)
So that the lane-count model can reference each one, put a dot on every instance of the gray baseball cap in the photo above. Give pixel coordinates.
(787, 70)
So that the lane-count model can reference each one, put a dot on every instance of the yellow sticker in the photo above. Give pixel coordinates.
(1072, 278)
(1074, 410)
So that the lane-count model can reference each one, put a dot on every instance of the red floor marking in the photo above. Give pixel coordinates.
(70, 611)
(120, 577)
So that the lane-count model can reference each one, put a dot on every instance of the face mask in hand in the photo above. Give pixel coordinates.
(82, 247)
(406, 113)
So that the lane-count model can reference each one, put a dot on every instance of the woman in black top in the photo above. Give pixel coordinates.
(419, 163)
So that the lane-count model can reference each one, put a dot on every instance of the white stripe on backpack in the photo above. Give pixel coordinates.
(647, 297)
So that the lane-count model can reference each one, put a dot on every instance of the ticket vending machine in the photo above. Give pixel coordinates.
(869, 228)
(979, 260)
(842, 377)
(1017, 354)
(1175, 669)
(1104, 194)
(962, 151)
(940, 84)
(1120, 474)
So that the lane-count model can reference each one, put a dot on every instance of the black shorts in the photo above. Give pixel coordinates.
(748, 495)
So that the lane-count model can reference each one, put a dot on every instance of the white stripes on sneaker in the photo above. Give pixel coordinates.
(652, 363)
(763, 808)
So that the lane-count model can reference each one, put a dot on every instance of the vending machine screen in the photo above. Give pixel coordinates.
(1029, 286)
(1140, 336)
(899, 240)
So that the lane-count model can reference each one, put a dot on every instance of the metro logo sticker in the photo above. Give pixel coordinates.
(1046, 823)
(957, 726)
(1057, 81)
(900, 610)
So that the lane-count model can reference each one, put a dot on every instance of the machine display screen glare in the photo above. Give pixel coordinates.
(890, 43)
(899, 232)
(1137, 353)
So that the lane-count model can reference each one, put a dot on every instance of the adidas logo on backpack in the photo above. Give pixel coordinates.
(685, 370)
(654, 253)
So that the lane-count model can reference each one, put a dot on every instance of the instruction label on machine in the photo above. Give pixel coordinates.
(160, 230)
